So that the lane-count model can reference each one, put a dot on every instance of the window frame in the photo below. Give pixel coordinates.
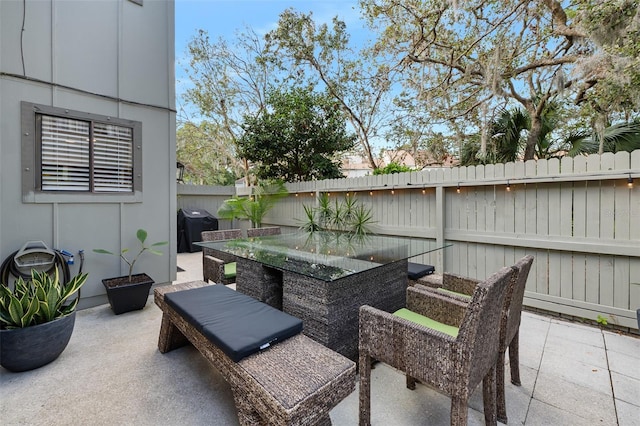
(31, 157)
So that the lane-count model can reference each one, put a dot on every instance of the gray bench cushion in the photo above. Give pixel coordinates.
(236, 323)
(417, 270)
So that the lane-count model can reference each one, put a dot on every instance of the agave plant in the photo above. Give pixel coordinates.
(39, 300)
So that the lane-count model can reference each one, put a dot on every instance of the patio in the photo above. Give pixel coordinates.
(112, 373)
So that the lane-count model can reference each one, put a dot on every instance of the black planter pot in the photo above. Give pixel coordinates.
(124, 296)
(27, 348)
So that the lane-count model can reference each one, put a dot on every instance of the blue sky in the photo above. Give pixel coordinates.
(225, 17)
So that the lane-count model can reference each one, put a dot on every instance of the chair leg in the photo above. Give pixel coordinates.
(411, 382)
(514, 359)
(247, 416)
(489, 397)
(500, 398)
(170, 337)
(364, 367)
(459, 411)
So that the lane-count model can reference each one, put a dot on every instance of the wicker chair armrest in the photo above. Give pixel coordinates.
(404, 344)
(441, 307)
(213, 268)
(215, 260)
(221, 255)
(459, 284)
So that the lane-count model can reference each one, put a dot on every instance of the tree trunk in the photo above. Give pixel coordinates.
(534, 136)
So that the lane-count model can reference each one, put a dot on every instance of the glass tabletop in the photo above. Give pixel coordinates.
(325, 255)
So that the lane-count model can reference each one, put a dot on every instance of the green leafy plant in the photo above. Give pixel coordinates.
(311, 223)
(602, 320)
(346, 215)
(392, 168)
(39, 300)
(255, 207)
(141, 235)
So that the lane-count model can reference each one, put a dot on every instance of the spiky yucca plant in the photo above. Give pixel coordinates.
(39, 300)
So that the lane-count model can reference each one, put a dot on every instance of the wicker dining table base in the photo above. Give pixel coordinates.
(328, 309)
(295, 382)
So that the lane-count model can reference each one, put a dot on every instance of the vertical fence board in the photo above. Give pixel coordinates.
(542, 209)
(554, 217)
(566, 275)
(579, 207)
(555, 274)
(565, 215)
(592, 278)
(579, 276)
(472, 260)
(607, 200)
(606, 281)
(520, 210)
(531, 208)
(621, 283)
(542, 271)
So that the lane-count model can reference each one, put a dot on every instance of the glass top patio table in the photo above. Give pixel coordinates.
(325, 255)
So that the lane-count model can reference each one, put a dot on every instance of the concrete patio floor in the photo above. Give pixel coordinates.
(111, 373)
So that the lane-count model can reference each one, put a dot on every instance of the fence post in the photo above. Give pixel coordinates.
(440, 215)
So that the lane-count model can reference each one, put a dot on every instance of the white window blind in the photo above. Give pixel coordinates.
(113, 159)
(70, 162)
(65, 154)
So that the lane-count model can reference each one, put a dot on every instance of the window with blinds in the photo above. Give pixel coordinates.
(85, 156)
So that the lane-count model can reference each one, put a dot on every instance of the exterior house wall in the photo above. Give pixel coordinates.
(111, 58)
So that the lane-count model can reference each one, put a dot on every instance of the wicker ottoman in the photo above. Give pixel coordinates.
(295, 382)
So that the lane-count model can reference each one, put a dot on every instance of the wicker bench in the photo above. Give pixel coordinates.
(297, 381)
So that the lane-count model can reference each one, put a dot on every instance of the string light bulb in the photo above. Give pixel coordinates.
(508, 186)
(424, 191)
(630, 181)
(371, 193)
(458, 189)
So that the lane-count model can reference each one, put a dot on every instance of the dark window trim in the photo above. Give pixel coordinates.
(31, 192)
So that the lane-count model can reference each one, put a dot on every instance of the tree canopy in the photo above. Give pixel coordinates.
(464, 62)
(296, 138)
(320, 54)
(487, 80)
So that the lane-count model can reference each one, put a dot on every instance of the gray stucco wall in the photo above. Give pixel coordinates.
(113, 58)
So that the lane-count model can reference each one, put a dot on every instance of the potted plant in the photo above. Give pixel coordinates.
(130, 292)
(36, 319)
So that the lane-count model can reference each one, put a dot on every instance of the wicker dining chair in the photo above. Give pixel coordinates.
(261, 232)
(445, 343)
(218, 266)
(456, 285)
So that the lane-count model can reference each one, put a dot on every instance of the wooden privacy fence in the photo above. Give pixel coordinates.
(577, 216)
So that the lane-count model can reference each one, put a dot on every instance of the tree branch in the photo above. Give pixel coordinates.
(560, 20)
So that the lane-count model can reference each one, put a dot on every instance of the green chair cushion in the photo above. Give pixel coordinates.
(455, 293)
(427, 322)
(230, 270)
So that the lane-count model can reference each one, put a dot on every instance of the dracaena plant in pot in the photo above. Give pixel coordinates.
(37, 316)
(130, 292)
